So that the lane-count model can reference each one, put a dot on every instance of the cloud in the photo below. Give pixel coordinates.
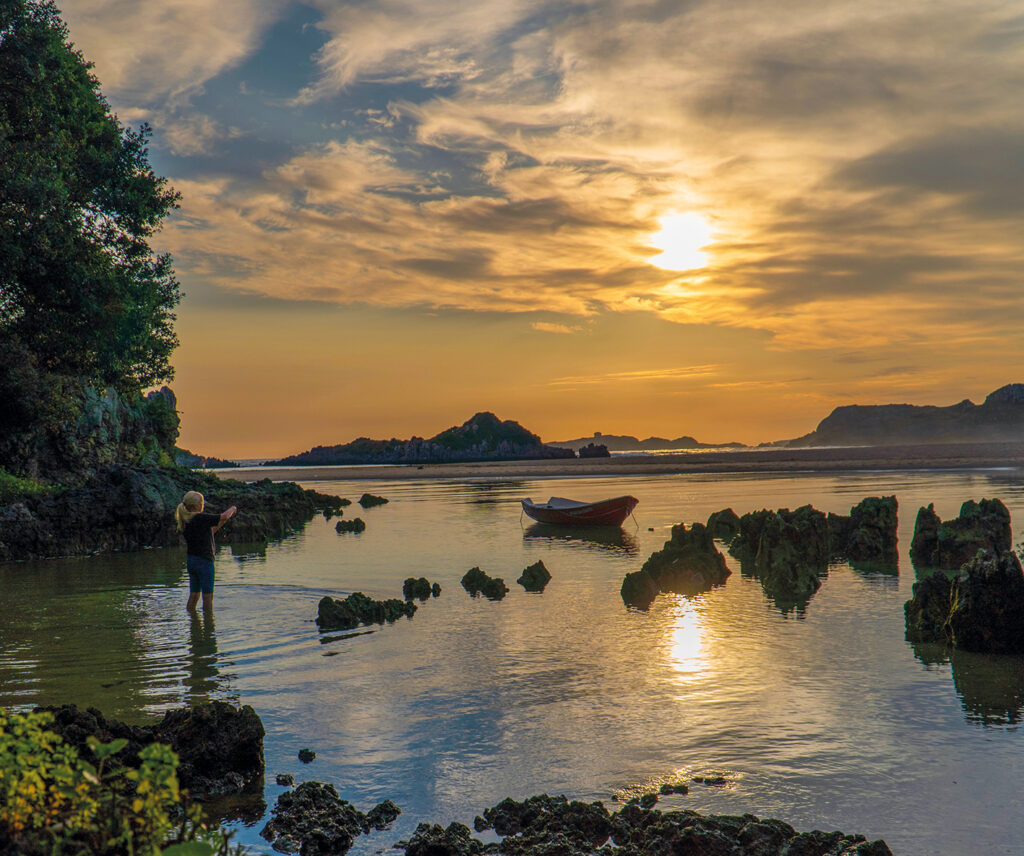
(548, 327)
(675, 373)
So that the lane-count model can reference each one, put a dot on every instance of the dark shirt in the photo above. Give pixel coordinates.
(199, 535)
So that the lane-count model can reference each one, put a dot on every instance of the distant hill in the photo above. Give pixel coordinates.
(626, 443)
(185, 458)
(1000, 418)
(484, 437)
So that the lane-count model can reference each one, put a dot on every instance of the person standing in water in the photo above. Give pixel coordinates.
(198, 527)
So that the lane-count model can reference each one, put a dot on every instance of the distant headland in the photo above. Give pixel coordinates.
(484, 437)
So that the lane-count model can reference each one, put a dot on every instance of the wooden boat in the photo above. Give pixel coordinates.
(571, 512)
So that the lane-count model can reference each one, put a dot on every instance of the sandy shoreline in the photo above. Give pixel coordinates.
(852, 459)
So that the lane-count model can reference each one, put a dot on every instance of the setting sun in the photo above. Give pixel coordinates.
(681, 240)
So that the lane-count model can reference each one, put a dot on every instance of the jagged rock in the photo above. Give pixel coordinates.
(307, 756)
(724, 525)
(981, 525)
(868, 534)
(435, 840)
(793, 552)
(314, 820)
(639, 589)
(535, 577)
(688, 563)
(368, 500)
(420, 589)
(220, 746)
(980, 609)
(285, 779)
(745, 543)
(477, 582)
(553, 826)
(594, 450)
(358, 609)
(354, 525)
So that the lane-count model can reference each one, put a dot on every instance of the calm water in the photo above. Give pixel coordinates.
(825, 718)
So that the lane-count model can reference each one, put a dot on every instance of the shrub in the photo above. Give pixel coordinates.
(53, 802)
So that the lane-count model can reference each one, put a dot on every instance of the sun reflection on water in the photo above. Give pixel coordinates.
(687, 651)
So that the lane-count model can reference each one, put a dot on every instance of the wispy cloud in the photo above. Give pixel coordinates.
(676, 373)
(548, 327)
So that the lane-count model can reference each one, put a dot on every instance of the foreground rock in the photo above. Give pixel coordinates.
(220, 746)
(313, 819)
(553, 825)
(981, 525)
(689, 563)
(476, 582)
(980, 609)
(122, 508)
(868, 534)
(357, 609)
(535, 577)
(421, 589)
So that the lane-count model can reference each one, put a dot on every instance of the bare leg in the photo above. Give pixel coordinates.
(208, 602)
(193, 599)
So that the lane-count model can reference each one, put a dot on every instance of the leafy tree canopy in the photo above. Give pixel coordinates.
(82, 294)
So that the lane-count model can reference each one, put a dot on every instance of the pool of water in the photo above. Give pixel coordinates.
(824, 717)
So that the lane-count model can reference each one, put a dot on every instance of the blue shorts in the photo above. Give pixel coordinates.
(200, 574)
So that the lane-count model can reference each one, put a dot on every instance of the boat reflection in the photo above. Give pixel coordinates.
(611, 538)
(990, 686)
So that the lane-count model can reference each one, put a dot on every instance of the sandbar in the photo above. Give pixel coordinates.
(953, 456)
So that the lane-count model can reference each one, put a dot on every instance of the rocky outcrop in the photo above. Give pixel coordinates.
(980, 609)
(949, 545)
(868, 534)
(220, 746)
(420, 589)
(368, 500)
(123, 508)
(688, 563)
(724, 525)
(1000, 418)
(356, 524)
(554, 825)
(357, 609)
(594, 450)
(185, 458)
(535, 577)
(484, 437)
(314, 820)
(476, 582)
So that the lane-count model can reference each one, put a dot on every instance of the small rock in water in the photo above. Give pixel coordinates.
(477, 582)
(368, 500)
(648, 800)
(673, 788)
(285, 779)
(306, 755)
(354, 525)
(535, 577)
(418, 588)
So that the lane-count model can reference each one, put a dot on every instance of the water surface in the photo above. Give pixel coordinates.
(825, 717)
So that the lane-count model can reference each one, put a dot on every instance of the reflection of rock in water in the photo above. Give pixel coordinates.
(253, 551)
(611, 538)
(201, 679)
(990, 686)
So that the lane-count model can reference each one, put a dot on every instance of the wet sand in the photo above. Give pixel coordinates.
(958, 456)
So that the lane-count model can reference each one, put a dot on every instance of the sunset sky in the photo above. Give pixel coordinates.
(704, 218)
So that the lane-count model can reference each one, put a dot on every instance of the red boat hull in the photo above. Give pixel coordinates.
(607, 512)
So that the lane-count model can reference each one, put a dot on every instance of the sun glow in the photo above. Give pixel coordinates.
(682, 240)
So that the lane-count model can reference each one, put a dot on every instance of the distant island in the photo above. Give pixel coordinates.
(626, 443)
(999, 419)
(484, 437)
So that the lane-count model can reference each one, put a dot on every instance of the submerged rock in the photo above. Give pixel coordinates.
(356, 524)
(307, 756)
(358, 609)
(220, 746)
(981, 525)
(420, 589)
(868, 534)
(535, 577)
(314, 820)
(724, 525)
(368, 500)
(285, 779)
(477, 582)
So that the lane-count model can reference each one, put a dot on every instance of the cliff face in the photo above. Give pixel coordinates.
(1000, 418)
(482, 438)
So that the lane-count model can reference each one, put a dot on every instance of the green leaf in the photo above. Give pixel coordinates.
(190, 848)
(105, 750)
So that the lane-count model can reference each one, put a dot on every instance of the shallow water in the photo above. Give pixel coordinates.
(825, 718)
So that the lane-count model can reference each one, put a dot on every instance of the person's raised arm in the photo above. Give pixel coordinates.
(225, 517)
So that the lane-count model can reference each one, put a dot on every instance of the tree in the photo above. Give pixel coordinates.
(82, 294)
